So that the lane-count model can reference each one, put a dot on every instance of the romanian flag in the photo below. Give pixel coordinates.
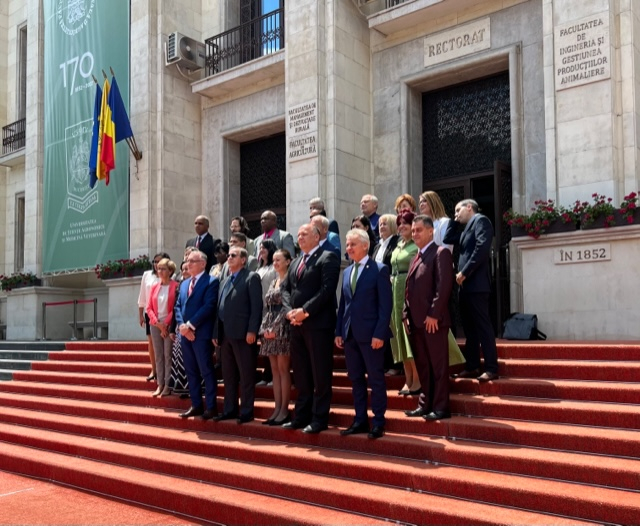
(106, 138)
(93, 157)
(110, 126)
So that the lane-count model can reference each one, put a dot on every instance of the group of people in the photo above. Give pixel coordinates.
(266, 296)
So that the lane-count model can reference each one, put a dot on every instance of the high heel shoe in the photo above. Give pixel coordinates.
(166, 391)
(268, 422)
(157, 391)
(151, 377)
(285, 420)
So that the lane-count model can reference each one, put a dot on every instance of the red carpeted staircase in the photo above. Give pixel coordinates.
(555, 441)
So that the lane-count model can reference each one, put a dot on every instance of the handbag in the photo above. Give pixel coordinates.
(522, 327)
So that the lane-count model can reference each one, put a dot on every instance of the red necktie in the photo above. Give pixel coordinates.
(301, 266)
(191, 285)
(198, 242)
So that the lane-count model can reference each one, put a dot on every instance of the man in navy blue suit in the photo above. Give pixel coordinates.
(362, 328)
(195, 312)
(473, 232)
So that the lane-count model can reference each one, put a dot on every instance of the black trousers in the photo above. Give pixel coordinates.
(476, 322)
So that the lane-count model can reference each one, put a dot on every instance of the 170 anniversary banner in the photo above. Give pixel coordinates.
(82, 226)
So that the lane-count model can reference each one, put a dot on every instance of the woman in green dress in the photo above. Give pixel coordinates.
(401, 259)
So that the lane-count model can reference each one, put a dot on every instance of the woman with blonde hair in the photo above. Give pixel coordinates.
(162, 299)
(405, 202)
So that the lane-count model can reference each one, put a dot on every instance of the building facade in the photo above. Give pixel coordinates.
(504, 101)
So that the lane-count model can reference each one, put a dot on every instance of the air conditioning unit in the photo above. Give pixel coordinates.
(185, 52)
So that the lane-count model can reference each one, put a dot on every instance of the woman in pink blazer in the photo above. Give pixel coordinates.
(162, 298)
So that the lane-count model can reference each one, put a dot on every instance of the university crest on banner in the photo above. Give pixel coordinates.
(77, 141)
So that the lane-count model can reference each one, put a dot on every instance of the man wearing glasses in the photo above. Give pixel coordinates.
(195, 312)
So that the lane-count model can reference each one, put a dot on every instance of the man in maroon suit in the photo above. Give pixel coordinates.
(426, 317)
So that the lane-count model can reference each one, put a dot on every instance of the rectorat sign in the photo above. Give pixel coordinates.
(582, 51)
(458, 42)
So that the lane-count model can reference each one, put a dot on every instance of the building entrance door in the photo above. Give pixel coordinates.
(467, 154)
(263, 181)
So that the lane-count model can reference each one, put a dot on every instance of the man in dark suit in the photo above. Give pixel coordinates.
(322, 224)
(270, 230)
(426, 317)
(474, 233)
(235, 330)
(194, 313)
(316, 206)
(309, 291)
(362, 328)
(204, 241)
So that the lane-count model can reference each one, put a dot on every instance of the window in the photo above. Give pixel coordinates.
(18, 257)
(21, 73)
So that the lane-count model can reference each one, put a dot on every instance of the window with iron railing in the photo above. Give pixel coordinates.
(13, 136)
(252, 39)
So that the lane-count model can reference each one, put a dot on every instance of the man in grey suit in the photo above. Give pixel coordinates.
(235, 330)
(282, 238)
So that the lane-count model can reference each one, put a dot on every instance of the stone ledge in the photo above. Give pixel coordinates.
(618, 233)
(240, 81)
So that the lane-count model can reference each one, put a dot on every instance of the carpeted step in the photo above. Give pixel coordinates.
(209, 502)
(598, 440)
(619, 473)
(97, 346)
(121, 357)
(617, 392)
(387, 498)
(605, 371)
(96, 379)
(132, 369)
(569, 350)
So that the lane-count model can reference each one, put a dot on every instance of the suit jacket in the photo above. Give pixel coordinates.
(428, 288)
(281, 238)
(208, 246)
(152, 304)
(315, 291)
(475, 251)
(242, 306)
(367, 311)
(199, 309)
(331, 247)
(393, 243)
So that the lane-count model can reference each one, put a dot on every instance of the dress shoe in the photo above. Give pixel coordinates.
(404, 392)
(416, 391)
(151, 376)
(392, 372)
(488, 376)
(261, 382)
(294, 424)
(376, 432)
(193, 411)
(225, 416)
(268, 422)
(356, 428)
(243, 419)
(209, 414)
(437, 415)
(467, 374)
(282, 422)
(314, 428)
(418, 411)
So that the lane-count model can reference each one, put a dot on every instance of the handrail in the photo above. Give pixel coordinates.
(75, 303)
(258, 37)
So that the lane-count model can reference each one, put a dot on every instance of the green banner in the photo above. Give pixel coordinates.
(82, 226)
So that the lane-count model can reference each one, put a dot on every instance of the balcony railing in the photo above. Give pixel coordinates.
(13, 137)
(256, 38)
(369, 7)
